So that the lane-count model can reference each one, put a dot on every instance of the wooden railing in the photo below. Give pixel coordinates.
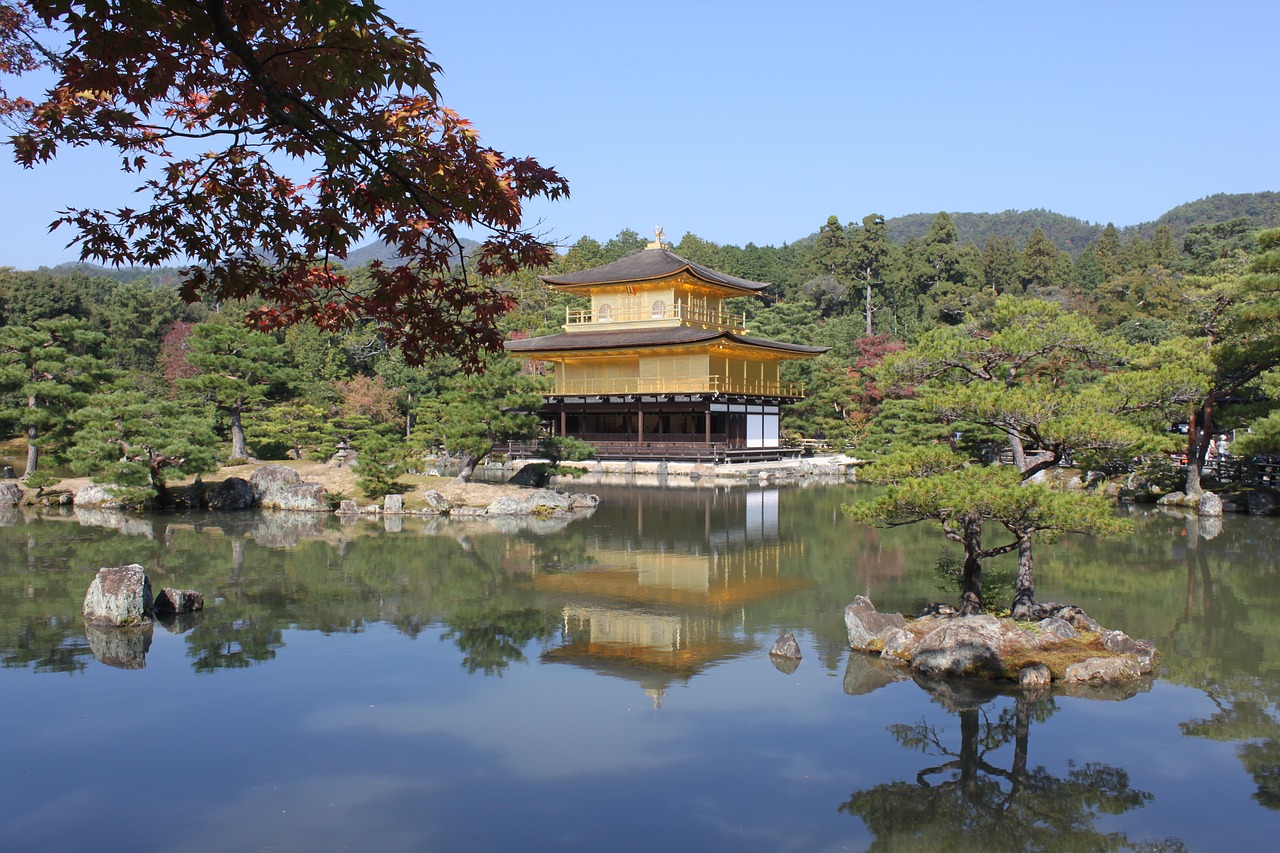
(669, 385)
(717, 453)
(645, 315)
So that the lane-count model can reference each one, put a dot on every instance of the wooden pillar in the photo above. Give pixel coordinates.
(639, 421)
(562, 421)
(708, 414)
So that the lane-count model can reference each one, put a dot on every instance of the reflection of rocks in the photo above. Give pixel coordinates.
(936, 646)
(119, 595)
(123, 648)
(865, 674)
(286, 529)
(129, 525)
(784, 665)
(178, 623)
(10, 516)
(959, 694)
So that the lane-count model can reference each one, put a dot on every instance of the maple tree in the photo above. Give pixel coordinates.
(212, 103)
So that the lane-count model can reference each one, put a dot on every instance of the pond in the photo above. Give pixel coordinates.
(606, 684)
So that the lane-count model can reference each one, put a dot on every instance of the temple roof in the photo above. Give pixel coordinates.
(645, 338)
(650, 265)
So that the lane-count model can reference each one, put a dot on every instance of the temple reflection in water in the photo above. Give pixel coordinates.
(661, 607)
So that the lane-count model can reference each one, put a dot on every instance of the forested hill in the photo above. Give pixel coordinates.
(1262, 209)
(1066, 232)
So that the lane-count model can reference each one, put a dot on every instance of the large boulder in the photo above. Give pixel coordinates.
(100, 495)
(1261, 503)
(11, 494)
(965, 645)
(865, 624)
(300, 497)
(435, 503)
(1102, 669)
(392, 504)
(507, 505)
(1209, 505)
(1143, 651)
(233, 493)
(271, 479)
(119, 596)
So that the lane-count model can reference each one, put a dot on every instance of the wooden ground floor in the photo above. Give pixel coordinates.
(710, 428)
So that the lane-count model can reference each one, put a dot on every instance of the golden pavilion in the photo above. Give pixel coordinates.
(658, 367)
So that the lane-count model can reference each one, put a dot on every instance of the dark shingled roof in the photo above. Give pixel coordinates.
(649, 265)
(633, 338)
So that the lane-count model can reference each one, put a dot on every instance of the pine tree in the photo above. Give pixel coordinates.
(47, 372)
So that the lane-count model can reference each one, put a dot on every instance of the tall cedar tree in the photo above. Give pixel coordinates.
(321, 123)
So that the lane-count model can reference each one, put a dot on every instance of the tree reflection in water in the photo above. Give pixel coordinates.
(966, 801)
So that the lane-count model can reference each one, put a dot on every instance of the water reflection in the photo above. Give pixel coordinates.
(658, 600)
(976, 794)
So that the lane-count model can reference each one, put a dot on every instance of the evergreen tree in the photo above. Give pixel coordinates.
(46, 373)
(137, 441)
(473, 414)
(238, 369)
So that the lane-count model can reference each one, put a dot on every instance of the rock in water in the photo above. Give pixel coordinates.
(119, 596)
(865, 623)
(786, 647)
(178, 601)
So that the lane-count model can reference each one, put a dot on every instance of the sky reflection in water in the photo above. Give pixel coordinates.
(335, 696)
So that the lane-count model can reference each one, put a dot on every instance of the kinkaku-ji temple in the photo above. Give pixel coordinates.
(658, 368)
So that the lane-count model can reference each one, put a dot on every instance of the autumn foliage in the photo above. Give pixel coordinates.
(270, 137)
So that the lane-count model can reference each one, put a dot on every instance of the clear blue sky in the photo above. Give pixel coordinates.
(754, 121)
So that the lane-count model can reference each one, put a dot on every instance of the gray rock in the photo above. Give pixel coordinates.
(1102, 669)
(1209, 505)
(7, 472)
(233, 493)
(435, 503)
(1261, 503)
(507, 505)
(1053, 628)
(899, 644)
(99, 495)
(546, 498)
(300, 497)
(1034, 677)
(1143, 651)
(393, 504)
(966, 645)
(11, 494)
(786, 647)
(118, 596)
(865, 623)
(348, 507)
(580, 500)
(175, 601)
(1172, 499)
(270, 478)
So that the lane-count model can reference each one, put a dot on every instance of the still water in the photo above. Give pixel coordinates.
(605, 684)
